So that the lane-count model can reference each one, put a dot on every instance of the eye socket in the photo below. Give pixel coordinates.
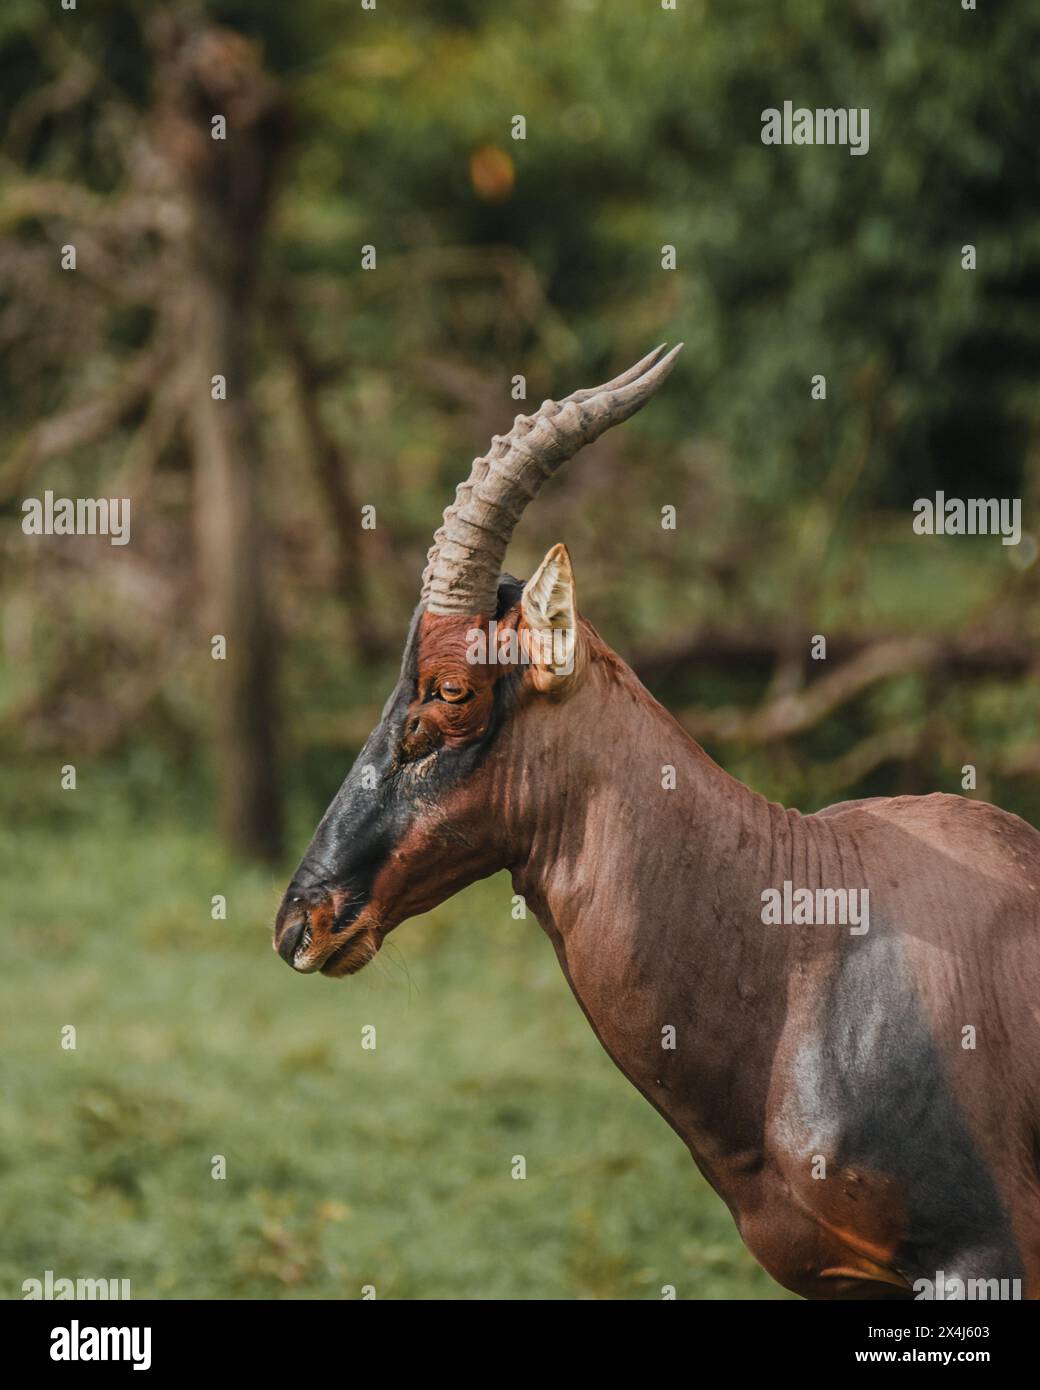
(454, 692)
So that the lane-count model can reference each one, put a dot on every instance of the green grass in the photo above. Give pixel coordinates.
(345, 1167)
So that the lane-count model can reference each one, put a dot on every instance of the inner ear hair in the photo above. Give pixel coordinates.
(548, 597)
(548, 605)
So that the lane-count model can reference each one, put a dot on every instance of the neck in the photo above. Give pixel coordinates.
(648, 882)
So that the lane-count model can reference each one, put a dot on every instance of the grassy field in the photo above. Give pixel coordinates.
(345, 1167)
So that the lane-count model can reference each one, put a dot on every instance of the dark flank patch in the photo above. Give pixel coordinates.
(873, 1089)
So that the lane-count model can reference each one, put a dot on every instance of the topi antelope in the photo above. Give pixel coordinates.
(865, 1100)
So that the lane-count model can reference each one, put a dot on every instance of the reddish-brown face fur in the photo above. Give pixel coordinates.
(448, 840)
(443, 647)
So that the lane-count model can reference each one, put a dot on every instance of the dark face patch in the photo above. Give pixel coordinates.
(396, 837)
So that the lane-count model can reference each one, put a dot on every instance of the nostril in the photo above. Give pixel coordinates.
(291, 938)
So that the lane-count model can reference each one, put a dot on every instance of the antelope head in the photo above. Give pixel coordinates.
(450, 786)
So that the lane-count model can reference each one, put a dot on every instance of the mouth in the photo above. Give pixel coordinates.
(334, 946)
(343, 958)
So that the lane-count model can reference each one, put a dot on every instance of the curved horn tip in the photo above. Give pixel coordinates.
(666, 361)
(630, 374)
(626, 400)
(655, 375)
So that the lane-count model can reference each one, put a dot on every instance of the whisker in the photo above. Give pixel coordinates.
(398, 960)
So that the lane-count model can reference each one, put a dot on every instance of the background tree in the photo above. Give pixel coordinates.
(542, 258)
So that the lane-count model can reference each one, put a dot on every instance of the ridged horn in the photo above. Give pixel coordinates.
(465, 560)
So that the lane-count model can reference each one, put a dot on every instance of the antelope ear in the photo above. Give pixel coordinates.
(551, 615)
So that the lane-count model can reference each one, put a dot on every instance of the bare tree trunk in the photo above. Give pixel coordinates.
(334, 479)
(225, 185)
